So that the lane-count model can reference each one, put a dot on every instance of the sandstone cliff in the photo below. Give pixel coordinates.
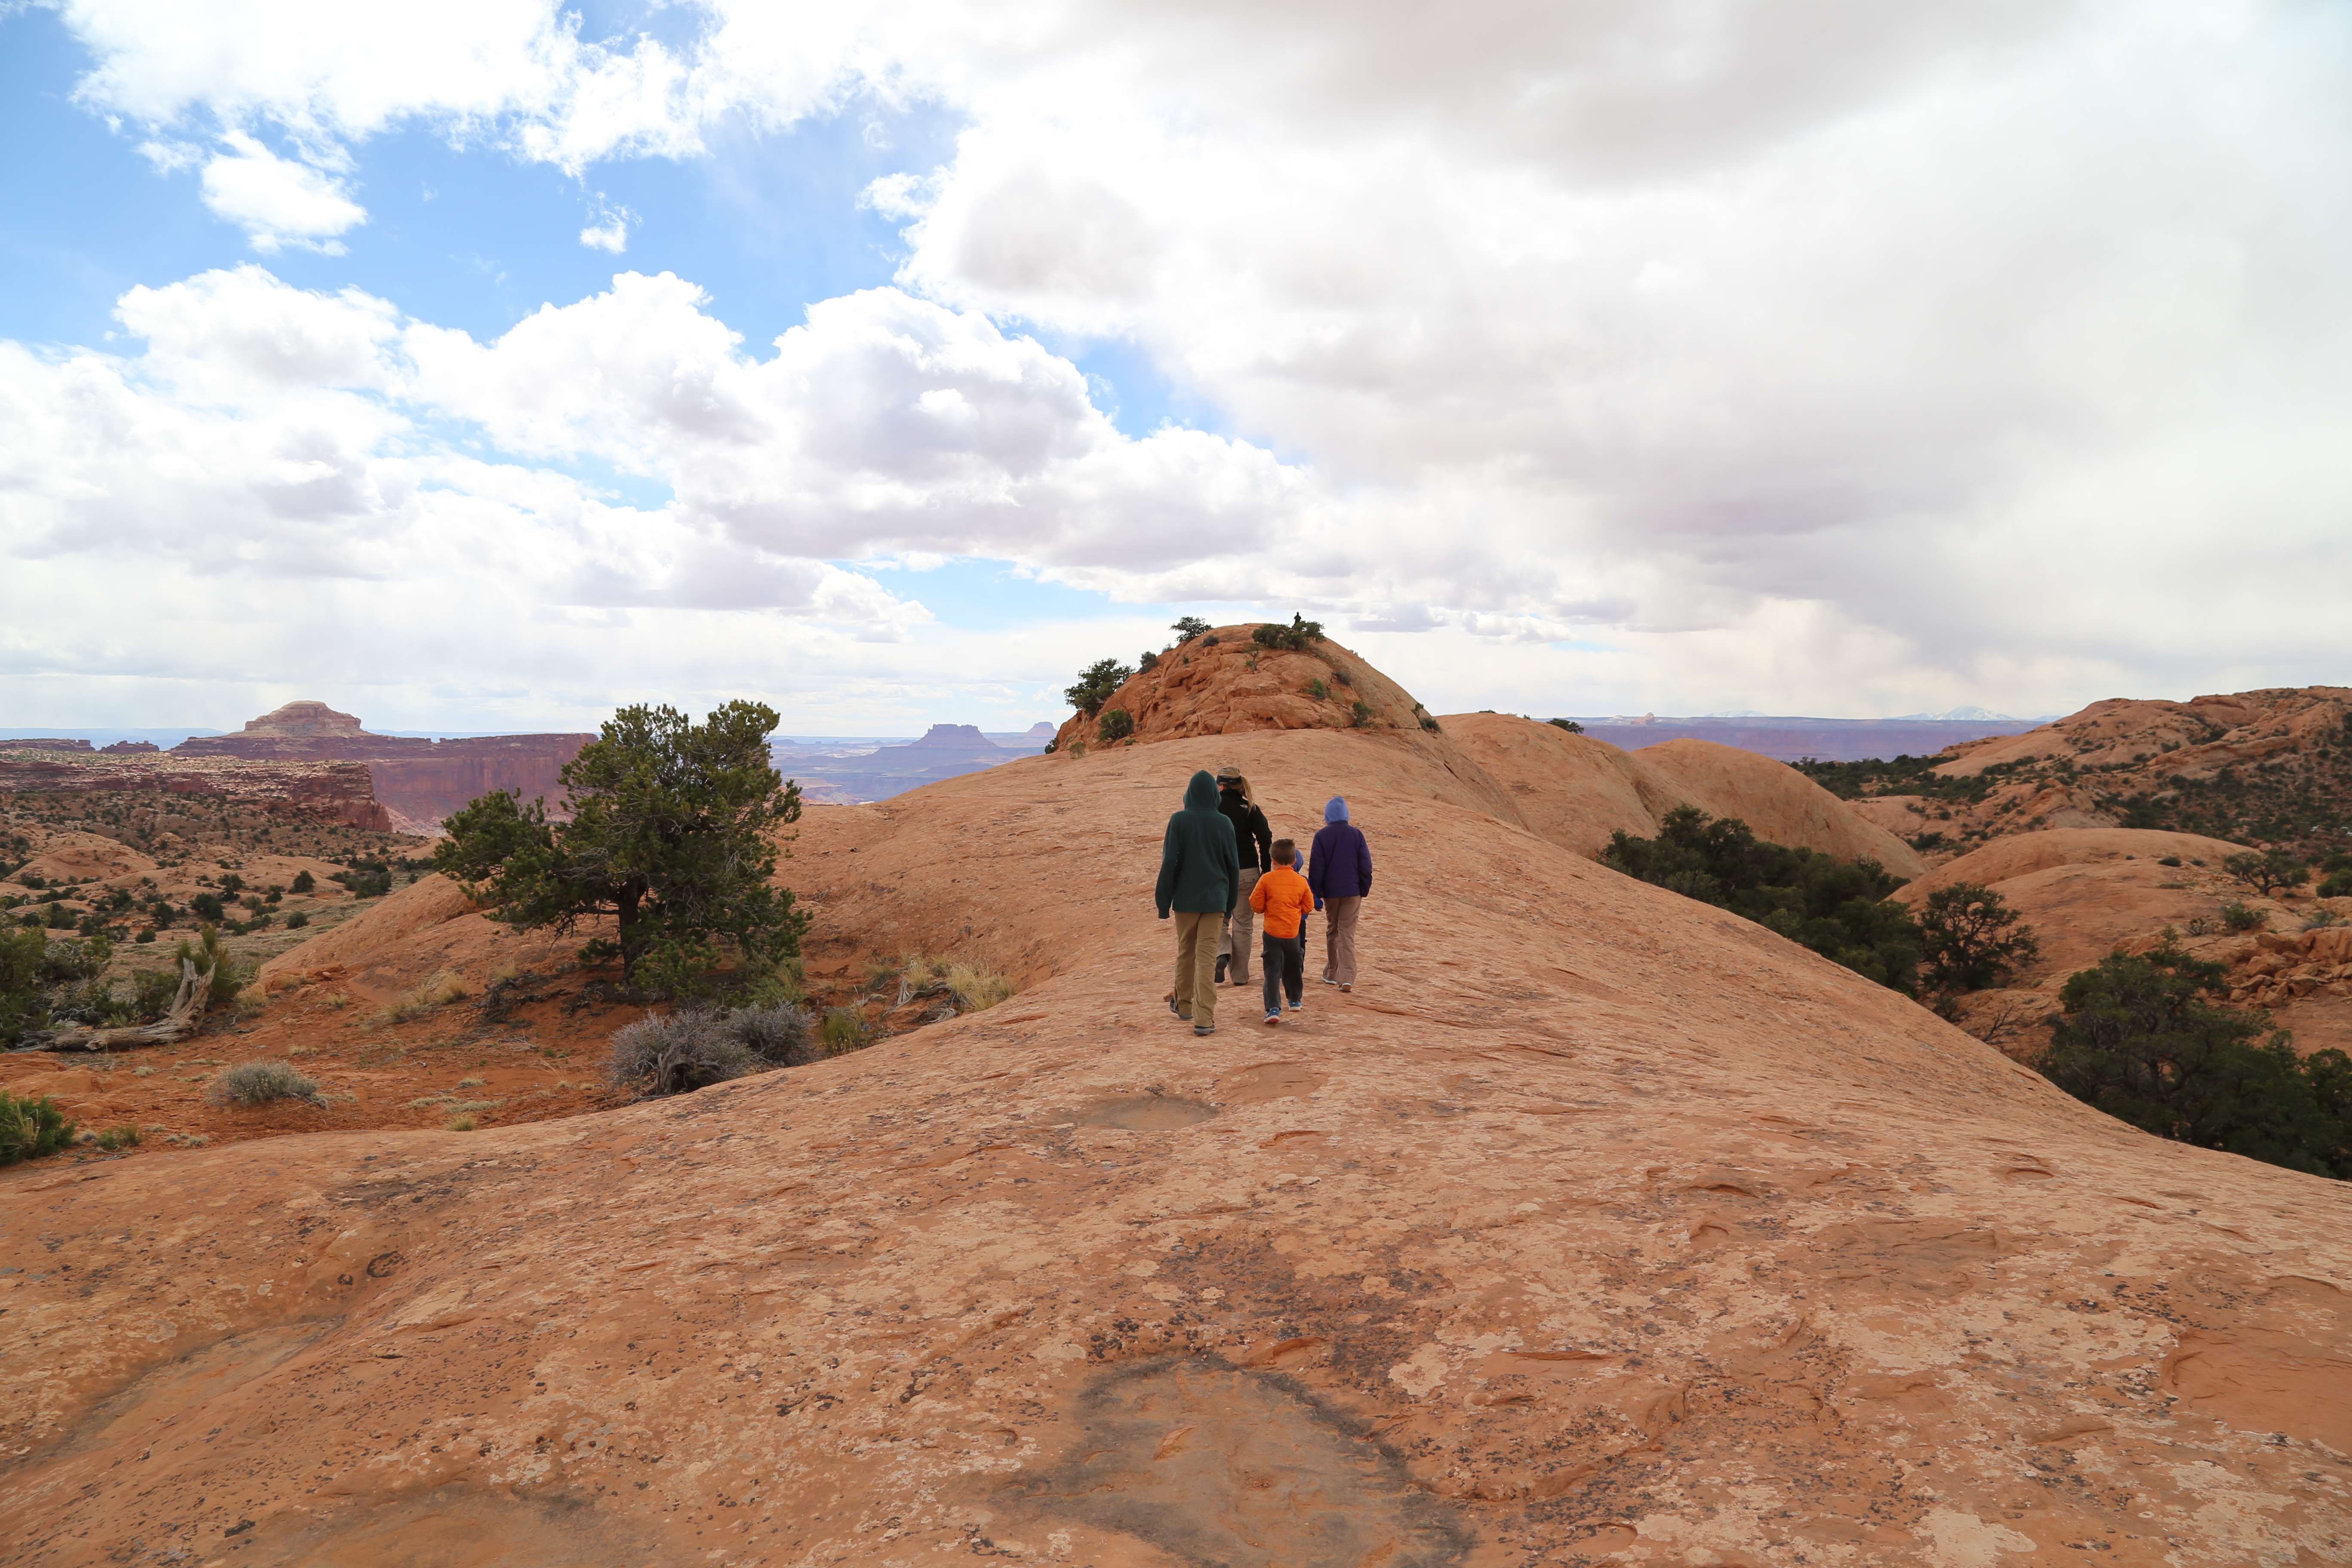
(418, 781)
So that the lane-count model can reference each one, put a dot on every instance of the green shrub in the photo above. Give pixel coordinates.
(261, 1082)
(298, 919)
(1428, 720)
(1341, 675)
(1970, 941)
(1317, 691)
(303, 882)
(1362, 711)
(1118, 724)
(1300, 636)
(2136, 1041)
(1841, 912)
(207, 907)
(2239, 916)
(31, 1128)
(153, 991)
(1570, 725)
(1144, 660)
(2338, 886)
(2267, 870)
(119, 1138)
(844, 1029)
(2167, 860)
(1187, 627)
(145, 936)
(205, 954)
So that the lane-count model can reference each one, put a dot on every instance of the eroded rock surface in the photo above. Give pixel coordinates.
(1594, 1225)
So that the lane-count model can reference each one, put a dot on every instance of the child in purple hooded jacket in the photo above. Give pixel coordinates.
(1339, 874)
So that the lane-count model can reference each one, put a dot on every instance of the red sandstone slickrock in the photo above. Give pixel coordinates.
(1594, 1225)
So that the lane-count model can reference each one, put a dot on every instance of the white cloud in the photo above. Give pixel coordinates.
(609, 230)
(1826, 355)
(278, 202)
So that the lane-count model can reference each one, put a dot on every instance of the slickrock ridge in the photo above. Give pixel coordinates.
(2270, 767)
(1576, 791)
(1595, 1225)
(2088, 892)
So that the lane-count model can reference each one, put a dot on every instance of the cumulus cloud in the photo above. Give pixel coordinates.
(1824, 354)
(278, 202)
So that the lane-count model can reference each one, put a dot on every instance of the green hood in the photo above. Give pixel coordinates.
(1199, 859)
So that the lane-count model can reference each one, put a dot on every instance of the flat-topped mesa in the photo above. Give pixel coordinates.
(305, 720)
(420, 780)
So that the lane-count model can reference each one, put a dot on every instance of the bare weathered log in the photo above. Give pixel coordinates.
(186, 1013)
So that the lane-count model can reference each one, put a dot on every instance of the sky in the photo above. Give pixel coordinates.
(487, 365)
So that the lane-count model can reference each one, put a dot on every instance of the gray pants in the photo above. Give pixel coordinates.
(1240, 927)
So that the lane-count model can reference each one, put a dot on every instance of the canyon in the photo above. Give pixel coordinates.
(417, 781)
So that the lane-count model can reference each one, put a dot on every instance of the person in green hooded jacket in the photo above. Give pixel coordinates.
(1200, 866)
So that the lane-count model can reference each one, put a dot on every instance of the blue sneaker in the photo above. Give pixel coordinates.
(1273, 1017)
(1298, 1006)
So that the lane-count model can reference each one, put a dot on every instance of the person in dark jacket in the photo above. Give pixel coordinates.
(1199, 864)
(1339, 874)
(1256, 840)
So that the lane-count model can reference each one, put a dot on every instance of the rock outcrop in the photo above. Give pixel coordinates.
(1224, 683)
(2271, 767)
(1576, 791)
(2087, 892)
(419, 781)
(1596, 1224)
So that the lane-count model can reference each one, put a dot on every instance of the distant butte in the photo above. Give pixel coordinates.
(418, 781)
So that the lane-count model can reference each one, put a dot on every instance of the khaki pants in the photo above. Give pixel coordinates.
(1196, 965)
(1339, 939)
(1241, 930)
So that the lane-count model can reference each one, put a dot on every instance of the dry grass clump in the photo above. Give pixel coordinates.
(974, 989)
(676, 1053)
(260, 1082)
(438, 991)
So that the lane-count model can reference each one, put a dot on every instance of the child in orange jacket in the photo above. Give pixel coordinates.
(1282, 897)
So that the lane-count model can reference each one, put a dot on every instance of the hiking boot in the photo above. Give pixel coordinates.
(1204, 1028)
(1175, 1009)
(1347, 986)
(1222, 960)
